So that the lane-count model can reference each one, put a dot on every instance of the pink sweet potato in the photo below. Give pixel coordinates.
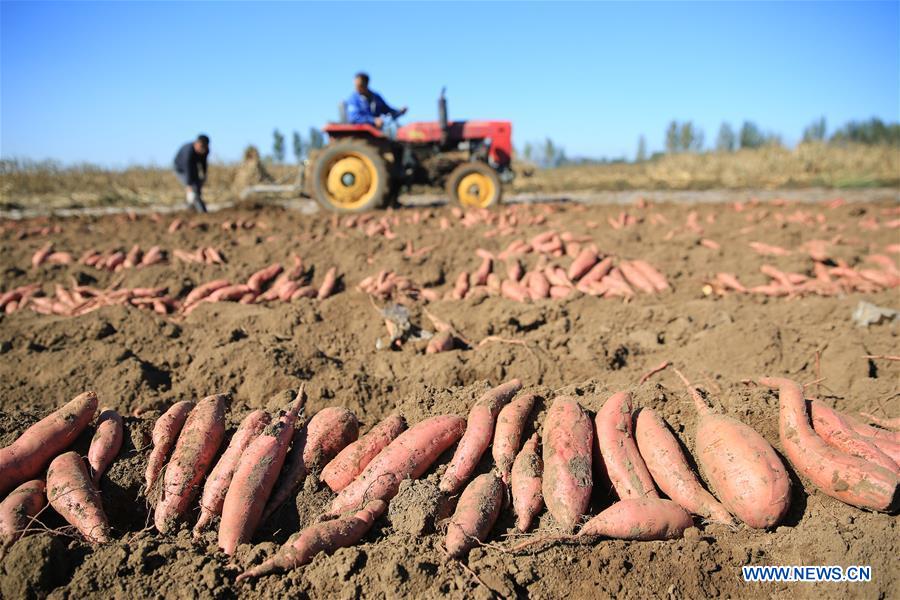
(626, 469)
(741, 467)
(326, 434)
(850, 479)
(475, 515)
(165, 434)
(220, 477)
(352, 460)
(479, 432)
(321, 537)
(74, 497)
(18, 509)
(328, 284)
(508, 433)
(667, 463)
(29, 454)
(408, 456)
(567, 483)
(202, 291)
(656, 279)
(106, 443)
(641, 519)
(582, 264)
(832, 427)
(191, 459)
(635, 277)
(258, 280)
(442, 341)
(525, 484)
(255, 477)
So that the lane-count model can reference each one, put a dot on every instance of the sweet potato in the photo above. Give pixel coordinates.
(641, 519)
(635, 277)
(626, 469)
(106, 443)
(656, 279)
(220, 477)
(479, 432)
(328, 284)
(442, 341)
(202, 291)
(351, 461)
(525, 484)
(475, 515)
(74, 497)
(741, 467)
(321, 537)
(255, 477)
(18, 509)
(567, 482)
(582, 264)
(508, 433)
(408, 456)
(514, 291)
(29, 454)
(258, 280)
(191, 459)
(832, 427)
(850, 479)
(165, 434)
(667, 463)
(326, 434)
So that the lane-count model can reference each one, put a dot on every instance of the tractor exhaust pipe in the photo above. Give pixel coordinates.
(442, 117)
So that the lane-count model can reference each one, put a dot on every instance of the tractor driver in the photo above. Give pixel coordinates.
(366, 106)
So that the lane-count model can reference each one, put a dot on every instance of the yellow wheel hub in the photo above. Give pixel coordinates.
(475, 189)
(352, 181)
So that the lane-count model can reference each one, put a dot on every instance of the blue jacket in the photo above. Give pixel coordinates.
(364, 110)
(190, 165)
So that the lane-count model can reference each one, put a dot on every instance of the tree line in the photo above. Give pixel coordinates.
(300, 146)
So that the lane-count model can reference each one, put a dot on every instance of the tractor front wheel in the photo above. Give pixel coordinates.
(474, 185)
(350, 177)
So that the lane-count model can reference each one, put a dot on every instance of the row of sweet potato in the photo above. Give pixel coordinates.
(632, 453)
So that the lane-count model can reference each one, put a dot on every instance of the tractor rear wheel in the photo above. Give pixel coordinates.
(350, 177)
(474, 185)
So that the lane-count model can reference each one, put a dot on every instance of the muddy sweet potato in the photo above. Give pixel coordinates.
(25, 458)
(850, 479)
(478, 435)
(192, 457)
(525, 484)
(615, 438)
(71, 494)
(219, 479)
(567, 482)
(832, 427)
(642, 519)
(321, 537)
(352, 460)
(106, 444)
(475, 515)
(165, 434)
(331, 430)
(255, 477)
(670, 469)
(508, 433)
(18, 509)
(408, 456)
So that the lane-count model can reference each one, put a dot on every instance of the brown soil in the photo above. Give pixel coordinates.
(140, 363)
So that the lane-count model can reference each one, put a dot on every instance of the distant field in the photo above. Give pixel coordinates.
(808, 165)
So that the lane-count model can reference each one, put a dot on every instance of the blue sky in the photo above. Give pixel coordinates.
(125, 83)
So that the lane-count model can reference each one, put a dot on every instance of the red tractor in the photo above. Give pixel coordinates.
(363, 168)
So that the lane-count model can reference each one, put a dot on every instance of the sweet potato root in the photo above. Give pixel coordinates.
(623, 462)
(193, 455)
(567, 482)
(29, 454)
(328, 284)
(352, 460)
(508, 433)
(850, 479)
(321, 537)
(326, 434)
(525, 484)
(479, 432)
(741, 467)
(165, 434)
(641, 519)
(408, 456)
(73, 496)
(477, 511)
(255, 477)
(17, 510)
(106, 443)
(220, 477)
(670, 470)
(832, 427)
